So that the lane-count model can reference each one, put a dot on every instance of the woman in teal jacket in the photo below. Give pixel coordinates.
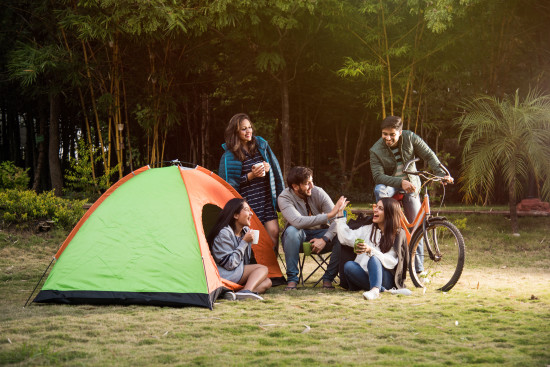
(250, 166)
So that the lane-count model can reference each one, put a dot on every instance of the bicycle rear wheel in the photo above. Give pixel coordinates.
(444, 253)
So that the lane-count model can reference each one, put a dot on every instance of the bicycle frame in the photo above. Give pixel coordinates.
(420, 218)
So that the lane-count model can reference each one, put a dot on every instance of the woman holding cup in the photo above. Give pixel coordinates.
(229, 242)
(381, 248)
(250, 166)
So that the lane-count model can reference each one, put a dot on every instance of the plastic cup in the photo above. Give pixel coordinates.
(356, 244)
(260, 165)
(255, 236)
(307, 248)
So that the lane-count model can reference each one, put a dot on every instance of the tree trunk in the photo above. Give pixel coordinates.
(285, 124)
(513, 207)
(30, 144)
(205, 129)
(42, 118)
(56, 175)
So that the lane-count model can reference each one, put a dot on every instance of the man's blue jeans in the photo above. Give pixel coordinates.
(292, 239)
(411, 206)
(378, 276)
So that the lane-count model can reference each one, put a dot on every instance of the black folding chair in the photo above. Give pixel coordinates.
(322, 260)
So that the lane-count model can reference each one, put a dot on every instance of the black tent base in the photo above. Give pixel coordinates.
(128, 298)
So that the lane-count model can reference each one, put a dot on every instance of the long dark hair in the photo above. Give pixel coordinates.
(232, 140)
(225, 218)
(392, 224)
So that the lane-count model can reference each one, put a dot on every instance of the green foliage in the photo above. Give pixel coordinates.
(79, 176)
(350, 214)
(13, 177)
(362, 68)
(270, 61)
(41, 69)
(281, 221)
(505, 139)
(460, 223)
(102, 19)
(19, 206)
(440, 14)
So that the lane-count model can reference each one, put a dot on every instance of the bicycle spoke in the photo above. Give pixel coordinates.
(443, 265)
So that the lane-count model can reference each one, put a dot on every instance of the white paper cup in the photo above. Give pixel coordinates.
(260, 165)
(255, 236)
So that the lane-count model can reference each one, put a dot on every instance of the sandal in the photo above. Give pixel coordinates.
(328, 286)
(291, 286)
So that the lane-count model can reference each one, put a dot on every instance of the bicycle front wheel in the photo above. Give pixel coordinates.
(444, 253)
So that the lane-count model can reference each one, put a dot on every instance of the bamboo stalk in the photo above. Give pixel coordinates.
(86, 120)
(94, 106)
(388, 65)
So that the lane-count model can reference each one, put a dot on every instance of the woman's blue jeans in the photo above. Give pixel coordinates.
(378, 276)
(411, 206)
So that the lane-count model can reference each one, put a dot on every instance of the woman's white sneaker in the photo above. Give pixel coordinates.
(401, 291)
(372, 294)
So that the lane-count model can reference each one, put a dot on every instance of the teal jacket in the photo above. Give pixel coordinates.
(383, 164)
(231, 168)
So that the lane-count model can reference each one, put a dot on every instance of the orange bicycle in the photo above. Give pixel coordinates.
(443, 242)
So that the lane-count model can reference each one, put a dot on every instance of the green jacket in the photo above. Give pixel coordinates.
(383, 163)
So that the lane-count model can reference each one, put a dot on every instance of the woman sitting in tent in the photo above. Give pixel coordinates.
(381, 262)
(229, 242)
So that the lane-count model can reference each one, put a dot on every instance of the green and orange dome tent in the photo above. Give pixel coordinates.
(144, 242)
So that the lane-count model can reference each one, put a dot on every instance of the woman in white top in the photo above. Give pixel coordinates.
(375, 268)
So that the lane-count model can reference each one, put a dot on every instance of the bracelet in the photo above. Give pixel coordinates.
(340, 216)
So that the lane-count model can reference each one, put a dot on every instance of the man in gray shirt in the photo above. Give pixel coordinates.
(307, 210)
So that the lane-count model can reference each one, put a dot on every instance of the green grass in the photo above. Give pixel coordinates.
(498, 314)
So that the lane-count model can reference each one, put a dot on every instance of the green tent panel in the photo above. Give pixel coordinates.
(139, 245)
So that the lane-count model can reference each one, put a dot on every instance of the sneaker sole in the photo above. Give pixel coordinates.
(248, 296)
(229, 297)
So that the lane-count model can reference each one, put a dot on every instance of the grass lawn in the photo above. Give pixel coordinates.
(498, 314)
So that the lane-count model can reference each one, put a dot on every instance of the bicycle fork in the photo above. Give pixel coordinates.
(431, 245)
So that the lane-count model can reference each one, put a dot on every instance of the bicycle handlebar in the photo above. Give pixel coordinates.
(431, 176)
(406, 169)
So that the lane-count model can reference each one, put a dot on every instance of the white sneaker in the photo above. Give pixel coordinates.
(401, 291)
(372, 294)
(230, 296)
(245, 293)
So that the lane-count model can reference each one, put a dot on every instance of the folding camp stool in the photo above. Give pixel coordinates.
(322, 260)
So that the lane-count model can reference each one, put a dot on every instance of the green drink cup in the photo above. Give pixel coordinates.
(307, 248)
(357, 242)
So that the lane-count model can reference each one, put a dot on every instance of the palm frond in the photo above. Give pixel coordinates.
(506, 139)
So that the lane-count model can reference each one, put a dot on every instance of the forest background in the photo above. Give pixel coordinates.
(125, 83)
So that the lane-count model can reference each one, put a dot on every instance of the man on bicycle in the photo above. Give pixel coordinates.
(387, 160)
